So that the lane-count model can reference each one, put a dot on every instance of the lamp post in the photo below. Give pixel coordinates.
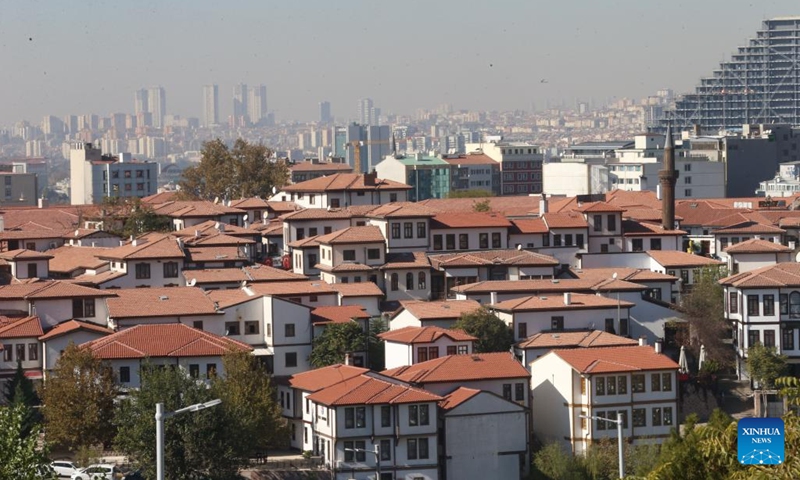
(376, 452)
(618, 421)
(161, 415)
(619, 325)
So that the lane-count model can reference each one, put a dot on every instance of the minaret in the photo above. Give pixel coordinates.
(668, 176)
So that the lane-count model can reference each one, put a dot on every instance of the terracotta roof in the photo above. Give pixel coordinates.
(215, 254)
(407, 260)
(289, 289)
(528, 225)
(365, 234)
(492, 257)
(211, 227)
(228, 297)
(402, 210)
(362, 289)
(457, 397)
(21, 327)
(674, 259)
(461, 368)
(633, 228)
(748, 227)
(553, 285)
(279, 207)
(615, 359)
(343, 182)
(412, 335)
(338, 314)
(194, 209)
(249, 204)
(565, 220)
(147, 246)
(85, 233)
(450, 309)
(58, 218)
(469, 220)
(258, 273)
(69, 326)
(96, 279)
(630, 198)
(576, 339)
(217, 239)
(159, 302)
(599, 207)
(323, 214)
(472, 159)
(366, 389)
(522, 206)
(623, 273)
(66, 259)
(344, 267)
(315, 380)
(755, 245)
(48, 289)
(160, 198)
(308, 242)
(23, 254)
(309, 166)
(163, 340)
(646, 214)
(578, 301)
(786, 274)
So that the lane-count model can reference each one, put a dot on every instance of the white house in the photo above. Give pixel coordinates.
(365, 295)
(469, 231)
(56, 301)
(151, 260)
(756, 253)
(351, 255)
(19, 339)
(441, 314)
(405, 226)
(27, 263)
(605, 226)
(407, 276)
(55, 340)
(343, 190)
(541, 343)
(639, 382)
(410, 345)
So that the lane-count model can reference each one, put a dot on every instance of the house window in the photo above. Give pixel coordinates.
(769, 338)
(794, 305)
(657, 420)
(418, 415)
(522, 330)
(451, 350)
(600, 386)
(752, 305)
(610, 325)
(667, 415)
(171, 270)
(301, 233)
(349, 255)
(496, 240)
(386, 450)
(231, 328)
(637, 383)
(409, 281)
(334, 203)
(198, 324)
(769, 305)
(666, 382)
(288, 330)
(194, 370)
(450, 241)
(290, 359)
(437, 242)
(251, 328)
(598, 223)
(622, 385)
(623, 325)
(421, 230)
(421, 281)
(655, 244)
(556, 323)
(33, 351)
(733, 302)
(753, 337)
(83, 307)
(611, 385)
(395, 230)
(639, 417)
(422, 354)
(637, 245)
(386, 416)
(8, 353)
(124, 374)
(392, 197)
(787, 340)
(483, 240)
(519, 392)
(312, 232)
(784, 301)
(374, 253)
(408, 230)
(33, 270)
(568, 239)
(142, 271)
(546, 240)
(600, 423)
(312, 260)
(433, 352)
(21, 352)
(417, 448)
(612, 223)
(211, 370)
(463, 241)
(394, 282)
(655, 382)
(579, 240)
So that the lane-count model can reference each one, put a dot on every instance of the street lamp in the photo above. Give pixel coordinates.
(618, 421)
(376, 452)
(161, 415)
(619, 325)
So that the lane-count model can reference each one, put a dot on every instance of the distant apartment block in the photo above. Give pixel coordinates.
(94, 176)
(210, 105)
(520, 165)
(429, 177)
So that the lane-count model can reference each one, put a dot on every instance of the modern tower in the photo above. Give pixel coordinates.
(240, 105)
(366, 112)
(325, 112)
(759, 84)
(257, 104)
(668, 177)
(140, 101)
(157, 105)
(210, 105)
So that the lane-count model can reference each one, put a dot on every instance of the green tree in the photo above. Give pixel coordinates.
(492, 333)
(79, 400)
(765, 365)
(245, 170)
(553, 462)
(482, 206)
(21, 392)
(705, 312)
(143, 219)
(336, 340)
(21, 457)
(476, 193)
(376, 347)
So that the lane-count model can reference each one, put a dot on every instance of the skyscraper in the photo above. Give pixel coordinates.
(757, 85)
(366, 110)
(257, 104)
(140, 101)
(210, 105)
(240, 105)
(157, 105)
(325, 112)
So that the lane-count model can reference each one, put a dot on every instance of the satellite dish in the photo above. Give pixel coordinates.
(192, 282)
(244, 283)
(216, 200)
(519, 246)
(614, 276)
(274, 190)
(246, 217)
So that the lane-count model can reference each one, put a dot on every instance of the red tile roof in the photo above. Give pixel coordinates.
(290, 289)
(21, 327)
(786, 274)
(308, 242)
(756, 245)
(565, 220)
(216, 254)
(362, 289)
(528, 225)
(748, 227)
(472, 159)
(615, 359)
(365, 234)
(163, 340)
(67, 259)
(159, 198)
(408, 260)
(147, 246)
(338, 314)
(443, 310)
(23, 254)
(522, 206)
(578, 301)
(542, 286)
(217, 239)
(49, 289)
(344, 267)
(520, 258)
(194, 209)
(469, 220)
(599, 207)
(402, 210)
(675, 259)
(412, 335)
(258, 273)
(159, 302)
(251, 203)
(461, 368)
(576, 339)
(324, 214)
(369, 390)
(69, 326)
(623, 273)
(457, 397)
(315, 380)
(211, 227)
(633, 228)
(343, 182)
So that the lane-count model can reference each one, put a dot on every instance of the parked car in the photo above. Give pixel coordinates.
(64, 468)
(135, 475)
(96, 472)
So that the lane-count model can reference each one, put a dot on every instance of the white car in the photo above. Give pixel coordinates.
(96, 472)
(64, 468)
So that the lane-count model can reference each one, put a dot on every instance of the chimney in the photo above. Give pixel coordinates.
(2, 224)
(567, 298)
(134, 243)
(347, 360)
(42, 202)
(493, 298)
(543, 206)
(658, 192)
(667, 178)
(197, 234)
(370, 178)
(642, 341)
(657, 346)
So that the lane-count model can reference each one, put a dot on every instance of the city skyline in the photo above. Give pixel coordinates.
(505, 68)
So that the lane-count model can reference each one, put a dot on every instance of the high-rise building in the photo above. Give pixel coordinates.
(325, 112)
(210, 105)
(93, 176)
(759, 84)
(140, 101)
(157, 105)
(257, 104)
(366, 110)
(240, 105)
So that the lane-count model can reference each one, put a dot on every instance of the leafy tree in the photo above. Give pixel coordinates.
(338, 339)
(482, 206)
(765, 365)
(492, 333)
(143, 219)
(21, 392)
(79, 400)
(375, 345)
(20, 454)
(553, 462)
(704, 307)
(242, 171)
(476, 193)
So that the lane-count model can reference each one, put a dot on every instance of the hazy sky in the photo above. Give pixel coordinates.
(59, 57)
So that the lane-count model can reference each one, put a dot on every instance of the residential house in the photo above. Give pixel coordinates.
(366, 295)
(19, 339)
(605, 226)
(540, 343)
(351, 255)
(216, 278)
(410, 345)
(187, 305)
(322, 317)
(406, 276)
(189, 213)
(70, 262)
(641, 236)
(443, 314)
(469, 231)
(310, 222)
(27, 264)
(755, 253)
(55, 301)
(405, 226)
(56, 339)
(305, 256)
(343, 190)
(150, 260)
(638, 382)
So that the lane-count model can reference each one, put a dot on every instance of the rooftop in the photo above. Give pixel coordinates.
(365, 234)
(576, 339)
(412, 335)
(578, 301)
(442, 310)
(369, 389)
(344, 182)
(615, 359)
(159, 302)
(460, 368)
(338, 314)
